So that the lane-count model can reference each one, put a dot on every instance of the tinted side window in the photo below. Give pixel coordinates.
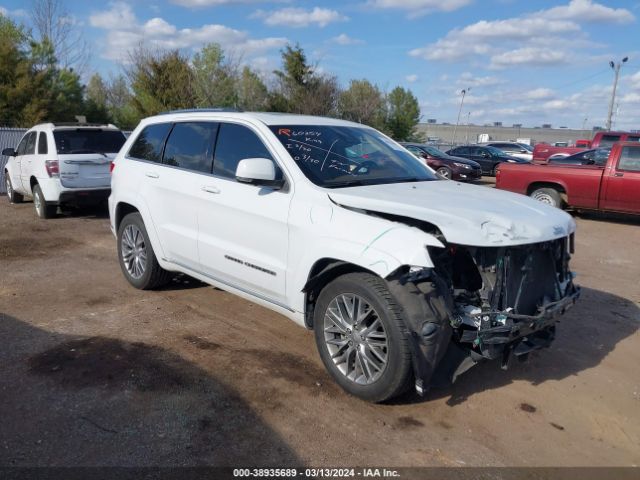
(22, 145)
(630, 159)
(149, 144)
(633, 138)
(30, 149)
(190, 146)
(236, 143)
(43, 148)
(460, 151)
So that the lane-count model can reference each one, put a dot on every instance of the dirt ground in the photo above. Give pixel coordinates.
(94, 372)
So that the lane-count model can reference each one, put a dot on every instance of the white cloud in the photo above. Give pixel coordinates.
(18, 12)
(544, 37)
(125, 32)
(416, 8)
(467, 79)
(539, 94)
(531, 56)
(587, 11)
(299, 17)
(211, 3)
(344, 39)
(411, 78)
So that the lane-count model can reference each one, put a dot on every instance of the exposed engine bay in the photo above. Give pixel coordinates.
(485, 303)
(506, 299)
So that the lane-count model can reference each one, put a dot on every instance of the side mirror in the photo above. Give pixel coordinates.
(258, 171)
(9, 152)
(485, 155)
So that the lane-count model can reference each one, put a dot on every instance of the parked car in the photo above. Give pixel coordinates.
(489, 158)
(399, 272)
(543, 151)
(453, 168)
(515, 149)
(595, 156)
(612, 186)
(62, 164)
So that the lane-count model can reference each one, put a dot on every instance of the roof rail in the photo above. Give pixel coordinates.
(85, 124)
(200, 110)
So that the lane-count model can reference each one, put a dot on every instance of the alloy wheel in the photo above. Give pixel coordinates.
(444, 172)
(356, 339)
(134, 251)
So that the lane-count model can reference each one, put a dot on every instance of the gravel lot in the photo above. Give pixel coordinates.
(94, 372)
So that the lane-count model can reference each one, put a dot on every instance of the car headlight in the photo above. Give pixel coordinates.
(462, 165)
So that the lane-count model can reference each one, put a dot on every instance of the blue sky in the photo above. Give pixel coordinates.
(528, 62)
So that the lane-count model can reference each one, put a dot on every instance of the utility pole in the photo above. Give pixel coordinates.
(453, 140)
(616, 68)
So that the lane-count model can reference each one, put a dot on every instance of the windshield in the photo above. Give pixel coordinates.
(496, 152)
(87, 140)
(337, 156)
(528, 148)
(434, 152)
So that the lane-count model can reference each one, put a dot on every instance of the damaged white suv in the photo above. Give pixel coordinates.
(405, 278)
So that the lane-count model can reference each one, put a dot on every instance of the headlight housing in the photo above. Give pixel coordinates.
(462, 165)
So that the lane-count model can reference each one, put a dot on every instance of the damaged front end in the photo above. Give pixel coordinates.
(484, 303)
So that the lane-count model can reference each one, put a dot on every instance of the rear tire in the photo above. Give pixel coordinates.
(13, 196)
(135, 254)
(367, 354)
(550, 196)
(43, 210)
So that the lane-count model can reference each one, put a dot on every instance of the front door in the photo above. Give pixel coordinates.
(25, 158)
(243, 231)
(621, 186)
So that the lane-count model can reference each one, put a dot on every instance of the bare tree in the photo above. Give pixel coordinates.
(52, 22)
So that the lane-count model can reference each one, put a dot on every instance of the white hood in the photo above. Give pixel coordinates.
(465, 214)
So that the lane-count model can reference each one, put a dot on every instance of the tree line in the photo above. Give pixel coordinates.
(37, 84)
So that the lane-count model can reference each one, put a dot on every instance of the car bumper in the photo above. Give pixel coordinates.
(467, 175)
(84, 197)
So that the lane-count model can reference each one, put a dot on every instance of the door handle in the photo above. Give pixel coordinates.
(210, 189)
(152, 175)
(618, 174)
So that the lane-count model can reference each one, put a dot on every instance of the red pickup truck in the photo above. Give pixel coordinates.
(542, 151)
(614, 186)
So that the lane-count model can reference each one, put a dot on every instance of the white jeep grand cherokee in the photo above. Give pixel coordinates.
(403, 276)
(62, 164)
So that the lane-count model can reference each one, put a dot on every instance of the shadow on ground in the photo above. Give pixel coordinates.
(585, 336)
(71, 401)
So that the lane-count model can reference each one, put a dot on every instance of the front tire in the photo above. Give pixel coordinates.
(444, 172)
(135, 254)
(550, 196)
(43, 210)
(13, 196)
(362, 338)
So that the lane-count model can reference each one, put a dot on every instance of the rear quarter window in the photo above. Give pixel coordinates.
(150, 142)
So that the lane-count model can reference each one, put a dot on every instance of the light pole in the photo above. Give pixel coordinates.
(616, 68)
(464, 92)
(467, 136)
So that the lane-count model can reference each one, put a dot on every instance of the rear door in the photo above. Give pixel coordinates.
(621, 186)
(483, 157)
(85, 154)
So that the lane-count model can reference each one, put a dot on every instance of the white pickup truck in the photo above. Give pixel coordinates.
(402, 275)
(62, 164)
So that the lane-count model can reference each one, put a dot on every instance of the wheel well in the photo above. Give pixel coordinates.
(33, 181)
(323, 272)
(122, 210)
(537, 185)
